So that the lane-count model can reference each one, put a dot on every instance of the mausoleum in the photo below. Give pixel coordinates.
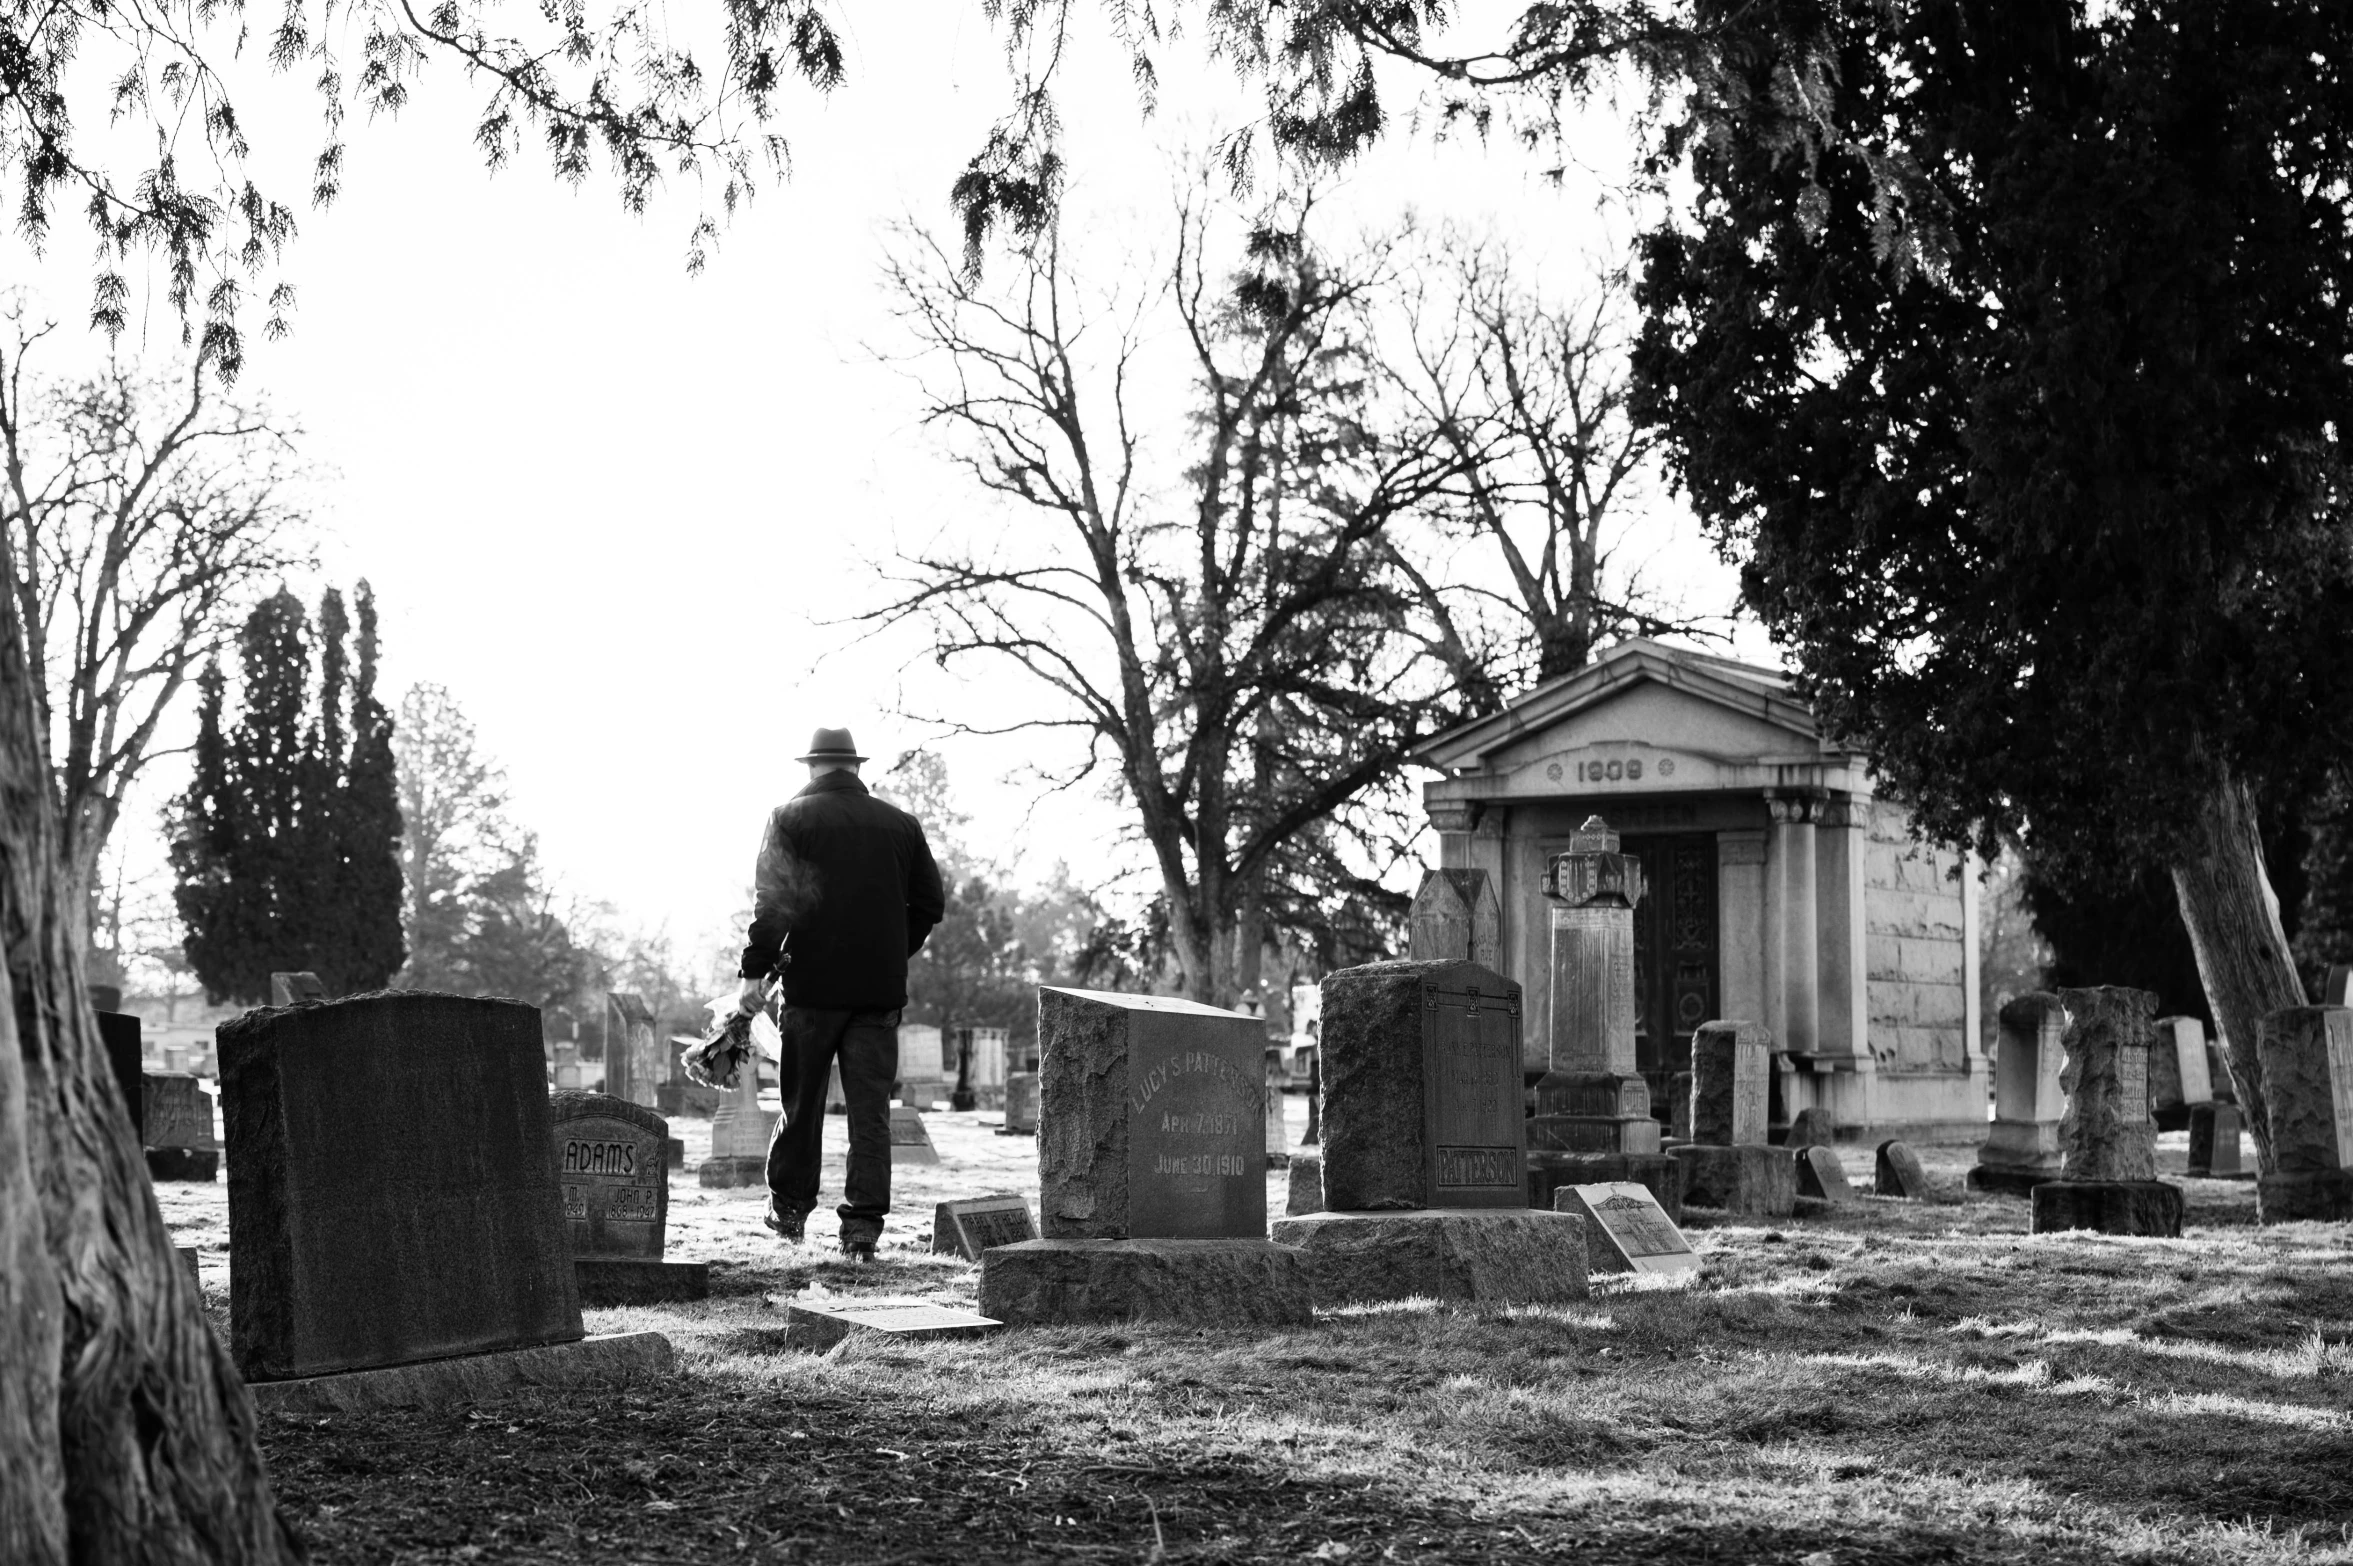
(1779, 889)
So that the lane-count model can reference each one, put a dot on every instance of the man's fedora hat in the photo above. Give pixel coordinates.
(832, 745)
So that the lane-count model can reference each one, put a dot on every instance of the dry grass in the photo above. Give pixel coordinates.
(1896, 1383)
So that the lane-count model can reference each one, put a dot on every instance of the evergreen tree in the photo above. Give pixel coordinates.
(288, 857)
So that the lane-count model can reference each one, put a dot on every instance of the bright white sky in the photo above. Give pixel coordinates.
(609, 505)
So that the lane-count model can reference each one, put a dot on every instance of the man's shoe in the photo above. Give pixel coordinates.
(790, 1225)
(857, 1250)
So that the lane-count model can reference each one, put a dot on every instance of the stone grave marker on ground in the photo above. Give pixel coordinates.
(1152, 1172)
(815, 1326)
(910, 1141)
(177, 1128)
(392, 1201)
(1307, 1186)
(2214, 1143)
(1727, 1163)
(120, 1034)
(2022, 1149)
(2306, 1054)
(295, 989)
(636, 1065)
(1423, 1188)
(2178, 1081)
(1455, 918)
(1593, 1120)
(1820, 1175)
(1897, 1171)
(968, 1227)
(1631, 1232)
(2108, 1144)
(740, 1130)
(614, 1172)
(1810, 1127)
(1021, 1104)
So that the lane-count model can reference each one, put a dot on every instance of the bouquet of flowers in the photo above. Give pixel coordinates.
(729, 1041)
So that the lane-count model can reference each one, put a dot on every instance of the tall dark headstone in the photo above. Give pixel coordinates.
(391, 1197)
(124, 1053)
(2107, 1138)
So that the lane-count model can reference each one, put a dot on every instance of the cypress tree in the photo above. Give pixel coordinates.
(369, 826)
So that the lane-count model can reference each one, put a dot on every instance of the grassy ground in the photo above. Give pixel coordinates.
(1895, 1383)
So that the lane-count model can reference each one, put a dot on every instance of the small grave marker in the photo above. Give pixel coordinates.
(177, 1128)
(967, 1228)
(1021, 1104)
(1897, 1171)
(1637, 1235)
(910, 1141)
(1821, 1175)
(615, 1180)
(815, 1326)
(1810, 1127)
(2214, 1141)
(295, 989)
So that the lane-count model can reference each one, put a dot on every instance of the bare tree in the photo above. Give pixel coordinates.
(1550, 475)
(139, 510)
(1221, 628)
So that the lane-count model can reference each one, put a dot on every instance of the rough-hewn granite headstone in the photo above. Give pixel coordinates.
(2022, 1148)
(2306, 1053)
(2214, 1142)
(910, 1138)
(1731, 1077)
(1152, 1118)
(2105, 1132)
(1626, 1230)
(1749, 1181)
(1484, 1254)
(1897, 1171)
(1455, 918)
(968, 1227)
(391, 1197)
(176, 1117)
(1306, 1193)
(1233, 1283)
(1821, 1176)
(1422, 1088)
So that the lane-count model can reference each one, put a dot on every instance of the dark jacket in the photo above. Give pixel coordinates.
(847, 888)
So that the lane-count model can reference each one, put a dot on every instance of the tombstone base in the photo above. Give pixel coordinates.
(733, 1171)
(2148, 1208)
(2012, 1179)
(611, 1360)
(2325, 1195)
(1636, 1135)
(1500, 1256)
(1194, 1283)
(1752, 1180)
(608, 1281)
(1548, 1172)
(183, 1163)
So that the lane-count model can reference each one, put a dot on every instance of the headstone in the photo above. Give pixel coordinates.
(178, 1129)
(2306, 1057)
(2022, 1148)
(991, 1048)
(1820, 1175)
(2177, 1071)
(740, 1133)
(2218, 1073)
(1811, 1127)
(1897, 1171)
(1592, 1100)
(1021, 1104)
(614, 1171)
(1152, 1172)
(1278, 1140)
(120, 1035)
(815, 1325)
(1307, 1187)
(1679, 1106)
(924, 1066)
(2107, 1141)
(1455, 918)
(2214, 1142)
(1421, 1088)
(636, 1065)
(1731, 1083)
(910, 1140)
(567, 1068)
(391, 1197)
(296, 989)
(968, 1227)
(1632, 1233)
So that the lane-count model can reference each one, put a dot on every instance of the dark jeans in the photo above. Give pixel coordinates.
(866, 1044)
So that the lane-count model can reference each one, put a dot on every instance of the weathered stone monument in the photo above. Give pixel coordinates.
(1306, 1193)
(295, 989)
(1820, 1175)
(1896, 1171)
(2022, 1150)
(636, 1065)
(1152, 1172)
(392, 1201)
(2214, 1142)
(613, 1170)
(176, 1125)
(1455, 918)
(1021, 1104)
(2307, 1060)
(2178, 1082)
(1423, 1159)
(2108, 1143)
(740, 1130)
(1727, 1163)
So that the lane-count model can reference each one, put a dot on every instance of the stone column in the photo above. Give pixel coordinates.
(1842, 962)
(1741, 923)
(2306, 1053)
(1592, 1100)
(1793, 924)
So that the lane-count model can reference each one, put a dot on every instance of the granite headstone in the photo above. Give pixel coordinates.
(2306, 1054)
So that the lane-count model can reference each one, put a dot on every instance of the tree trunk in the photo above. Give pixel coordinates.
(125, 1433)
(2243, 958)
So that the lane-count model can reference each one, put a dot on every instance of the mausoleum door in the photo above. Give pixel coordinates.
(1676, 982)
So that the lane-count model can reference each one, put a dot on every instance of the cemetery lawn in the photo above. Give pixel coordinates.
(1893, 1383)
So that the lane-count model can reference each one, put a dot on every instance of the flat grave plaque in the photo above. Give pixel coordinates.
(613, 1174)
(1196, 1098)
(1471, 1092)
(910, 1141)
(1636, 1235)
(967, 1228)
(817, 1325)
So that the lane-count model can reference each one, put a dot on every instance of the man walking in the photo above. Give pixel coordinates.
(845, 891)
